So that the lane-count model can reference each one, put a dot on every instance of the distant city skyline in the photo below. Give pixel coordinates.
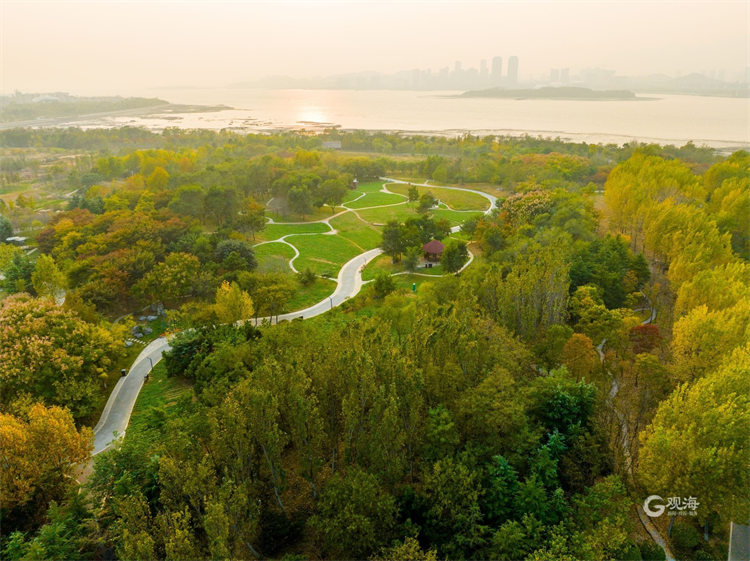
(125, 47)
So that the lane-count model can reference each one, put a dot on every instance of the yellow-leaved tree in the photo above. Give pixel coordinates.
(232, 303)
(39, 450)
(697, 444)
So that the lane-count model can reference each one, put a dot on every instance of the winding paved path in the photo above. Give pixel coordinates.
(116, 415)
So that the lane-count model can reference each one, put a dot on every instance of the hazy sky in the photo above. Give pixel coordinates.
(109, 47)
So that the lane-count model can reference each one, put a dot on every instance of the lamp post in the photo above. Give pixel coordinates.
(330, 298)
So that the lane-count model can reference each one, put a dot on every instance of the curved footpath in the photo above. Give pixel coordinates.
(116, 414)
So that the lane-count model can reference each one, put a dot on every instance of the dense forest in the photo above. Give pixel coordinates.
(593, 353)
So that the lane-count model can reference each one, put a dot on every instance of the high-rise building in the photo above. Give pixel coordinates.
(457, 67)
(513, 69)
(565, 75)
(497, 68)
(554, 75)
(483, 67)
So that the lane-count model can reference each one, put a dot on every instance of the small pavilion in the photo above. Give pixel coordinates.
(433, 250)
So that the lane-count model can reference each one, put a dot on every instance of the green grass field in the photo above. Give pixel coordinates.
(377, 199)
(457, 200)
(369, 187)
(381, 264)
(273, 257)
(363, 235)
(384, 214)
(160, 391)
(316, 214)
(275, 231)
(453, 216)
(307, 296)
(401, 213)
(323, 254)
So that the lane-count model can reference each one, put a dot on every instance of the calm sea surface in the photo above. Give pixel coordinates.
(676, 119)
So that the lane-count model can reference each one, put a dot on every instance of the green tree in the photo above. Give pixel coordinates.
(252, 217)
(6, 229)
(18, 274)
(47, 279)
(454, 518)
(426, 202)
(391, 243)
(454, 255)
(332, 193)
(413, 193)
(354, 516)
(300, 200)
(411, 258)
(383, 285)
(188, 201)
(222, 204)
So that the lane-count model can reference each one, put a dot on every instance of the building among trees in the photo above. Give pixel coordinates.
(433, 250)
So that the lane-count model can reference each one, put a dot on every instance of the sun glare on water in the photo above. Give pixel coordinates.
(311, 115)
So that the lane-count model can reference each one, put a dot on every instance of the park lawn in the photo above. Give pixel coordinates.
(273, 257)
(405, 282)
(276, 231)
(377, 199)
(323, 254)
(317, 214)
(160, 391)
(307, 296)
(365, 236)
(369, 187)
(455, 217)
(381, 264)
(457, 200)
(381, 215)
(436, 270)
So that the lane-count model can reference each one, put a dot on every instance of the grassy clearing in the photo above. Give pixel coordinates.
(406, 282)
(273, 257)
(323, 254)
(369, 187)
(317, 214)
(453, 216)
(384, 214)
(307, 296)
(381, 264)
(457, 200)
(377, 199)
(160, 391)
(365, 236)
(275, 231)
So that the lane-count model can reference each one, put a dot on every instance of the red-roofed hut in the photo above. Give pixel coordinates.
(433, 250)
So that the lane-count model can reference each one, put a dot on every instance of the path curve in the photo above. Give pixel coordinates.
(116, 415)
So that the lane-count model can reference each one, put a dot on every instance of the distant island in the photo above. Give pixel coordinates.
(23, 107)
(572, 93)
